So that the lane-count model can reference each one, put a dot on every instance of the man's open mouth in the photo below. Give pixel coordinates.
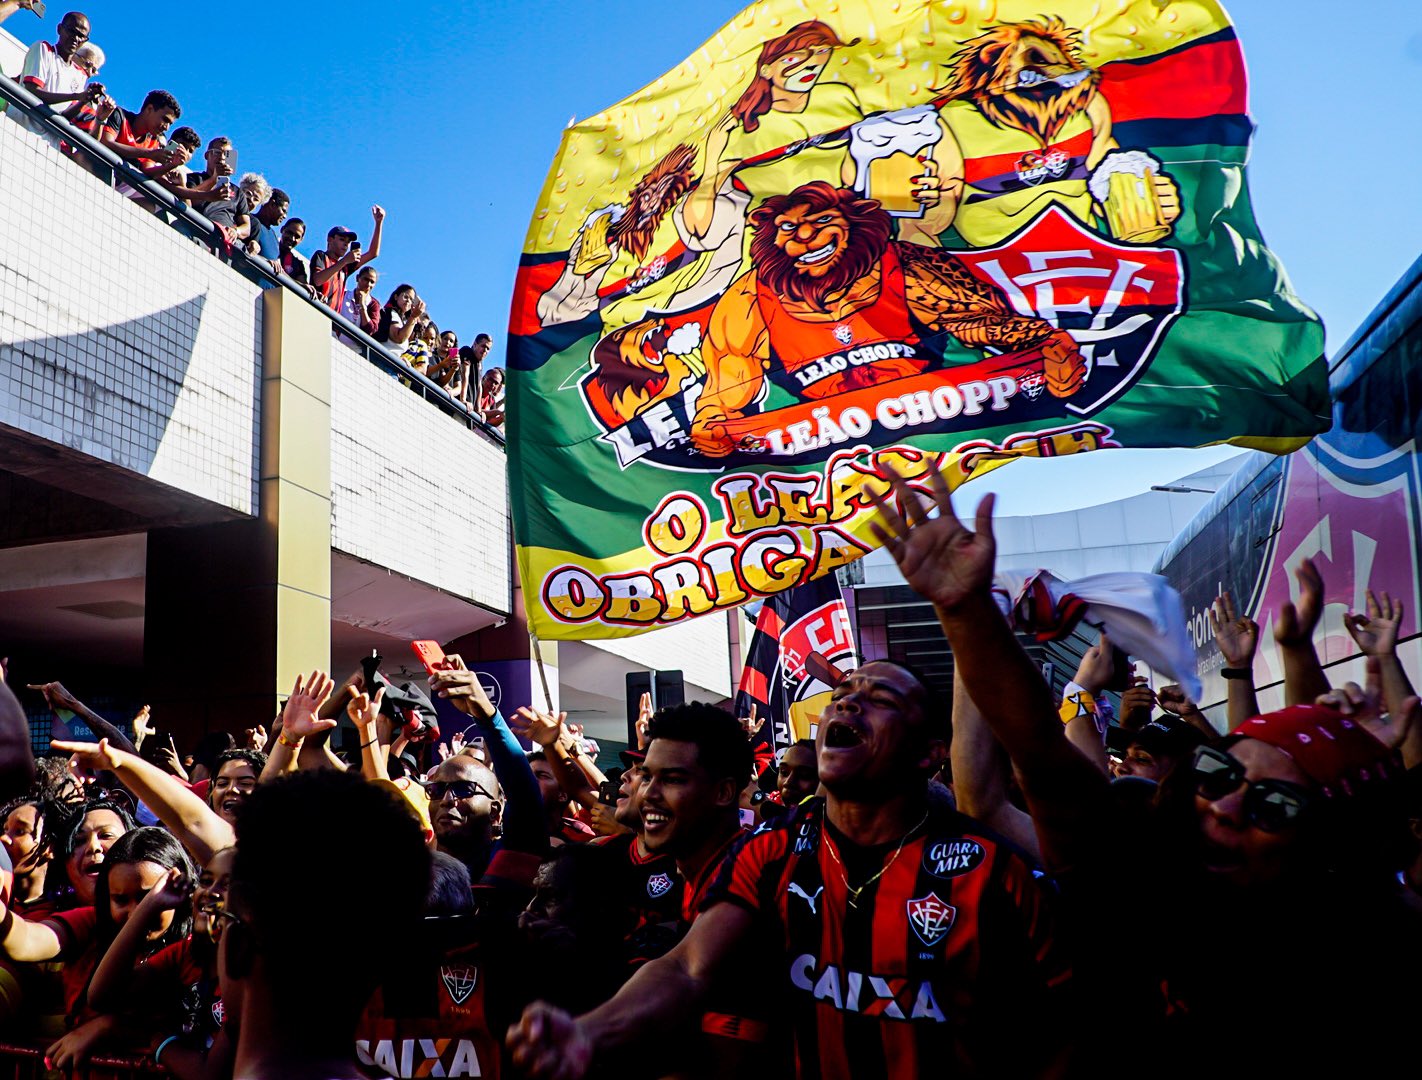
(842, 736)
(819, 255)
(654, 820)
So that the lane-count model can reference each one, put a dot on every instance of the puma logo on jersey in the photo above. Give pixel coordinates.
(891, 996)
(795, 890)
(407, 1058)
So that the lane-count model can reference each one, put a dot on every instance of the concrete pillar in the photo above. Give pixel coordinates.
(236, 610)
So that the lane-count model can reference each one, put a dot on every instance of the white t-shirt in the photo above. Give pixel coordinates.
(44, 70)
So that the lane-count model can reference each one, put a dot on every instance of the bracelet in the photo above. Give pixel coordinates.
(1236, 673)
(371, 743)
(281, 738)
(163, 1046)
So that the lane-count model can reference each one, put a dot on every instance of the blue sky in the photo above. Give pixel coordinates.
(449, 115)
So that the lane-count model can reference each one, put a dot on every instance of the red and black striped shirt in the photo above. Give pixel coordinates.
(946, 962)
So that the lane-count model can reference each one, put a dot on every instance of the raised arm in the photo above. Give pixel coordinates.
(1376, 636)
(300, 719)
(523, 820)
(118, 970)
(1237, 637)
(364, 713)
(1294, 625)
(190, 819)
(953, 568)
(1081, 710)
(25, 941)
(548, 1044)
(378, 213)
(547, 731)
(57, 697)
(980, 772)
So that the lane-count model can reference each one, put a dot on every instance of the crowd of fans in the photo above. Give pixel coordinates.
(248, 213)
(1006, 886)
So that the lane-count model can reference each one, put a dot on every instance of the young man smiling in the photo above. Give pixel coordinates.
(911, 936)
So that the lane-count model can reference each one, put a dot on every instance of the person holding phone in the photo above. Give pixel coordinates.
(342, 257)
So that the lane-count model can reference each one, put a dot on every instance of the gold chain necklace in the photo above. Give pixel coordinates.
(852, 893)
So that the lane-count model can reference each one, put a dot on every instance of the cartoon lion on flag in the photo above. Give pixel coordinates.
(1019, 92)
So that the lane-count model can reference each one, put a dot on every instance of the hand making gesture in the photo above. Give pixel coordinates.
(300, 717)
(943, 562)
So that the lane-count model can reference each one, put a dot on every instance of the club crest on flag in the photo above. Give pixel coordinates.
(931, 918)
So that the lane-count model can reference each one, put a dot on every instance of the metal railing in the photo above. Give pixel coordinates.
(189, 222)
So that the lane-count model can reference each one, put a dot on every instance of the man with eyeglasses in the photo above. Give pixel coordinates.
(52, 74)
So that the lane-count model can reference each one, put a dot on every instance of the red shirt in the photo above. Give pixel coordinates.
(78, 949)
(942, 964)
(121, 124)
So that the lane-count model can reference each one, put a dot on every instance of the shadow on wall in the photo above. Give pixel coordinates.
(109, 392)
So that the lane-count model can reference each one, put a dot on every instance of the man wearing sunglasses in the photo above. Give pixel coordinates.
(465, 807)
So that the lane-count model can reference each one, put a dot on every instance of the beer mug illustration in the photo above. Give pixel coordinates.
(1124, 185)
(595, 251)
(886, 151)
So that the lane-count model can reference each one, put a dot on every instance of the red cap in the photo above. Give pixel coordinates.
(1336, 753)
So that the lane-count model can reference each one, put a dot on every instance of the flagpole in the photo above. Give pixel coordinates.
(542, 675)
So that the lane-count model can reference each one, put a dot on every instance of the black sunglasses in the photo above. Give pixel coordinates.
(1272, 805)
(460, 789)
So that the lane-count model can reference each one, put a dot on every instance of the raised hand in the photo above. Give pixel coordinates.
(364, 710)
(56, 696)
(95, 757)
(459, 686)
(1376, 634)
(256, 737)
(940, 559)
(1096, 667)
(644, 720)
(543, 728)
(1173, 700)
(142, 726)
(170, 893)
(1136, 703)
(300, 717)
(1296, 622)
(1236, 635)
(751, 726)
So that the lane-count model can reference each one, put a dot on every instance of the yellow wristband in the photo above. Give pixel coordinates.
(281, 738)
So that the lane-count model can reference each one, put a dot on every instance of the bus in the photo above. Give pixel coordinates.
(1348, 500)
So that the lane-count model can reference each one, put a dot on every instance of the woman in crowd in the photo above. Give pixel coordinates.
(398, 318)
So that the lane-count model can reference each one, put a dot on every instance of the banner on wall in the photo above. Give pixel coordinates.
(932, 236)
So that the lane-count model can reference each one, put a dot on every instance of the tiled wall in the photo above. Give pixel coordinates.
(412, 488)
(119, 338)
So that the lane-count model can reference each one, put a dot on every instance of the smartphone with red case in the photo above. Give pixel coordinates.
(430, 654)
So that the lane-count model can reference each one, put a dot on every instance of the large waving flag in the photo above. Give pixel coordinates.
(839, 236)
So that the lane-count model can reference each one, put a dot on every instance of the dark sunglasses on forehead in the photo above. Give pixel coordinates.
(460, 789)
(1271, 805)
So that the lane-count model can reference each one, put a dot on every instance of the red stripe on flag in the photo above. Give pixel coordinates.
(531, 283)
(1206, 80)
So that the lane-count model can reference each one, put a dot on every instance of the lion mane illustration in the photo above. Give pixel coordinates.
(1025, 75)
(651, 198)
(632, 369)
(867, 227)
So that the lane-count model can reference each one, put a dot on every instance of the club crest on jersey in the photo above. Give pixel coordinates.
(931, 918)
(659, 885)
(219, 1012)
(459, 980)
(844, 334)
(949, 858)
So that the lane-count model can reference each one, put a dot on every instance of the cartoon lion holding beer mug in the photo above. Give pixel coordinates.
(1020, 93)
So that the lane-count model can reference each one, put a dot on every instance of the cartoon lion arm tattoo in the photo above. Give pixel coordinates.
(945, 295)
